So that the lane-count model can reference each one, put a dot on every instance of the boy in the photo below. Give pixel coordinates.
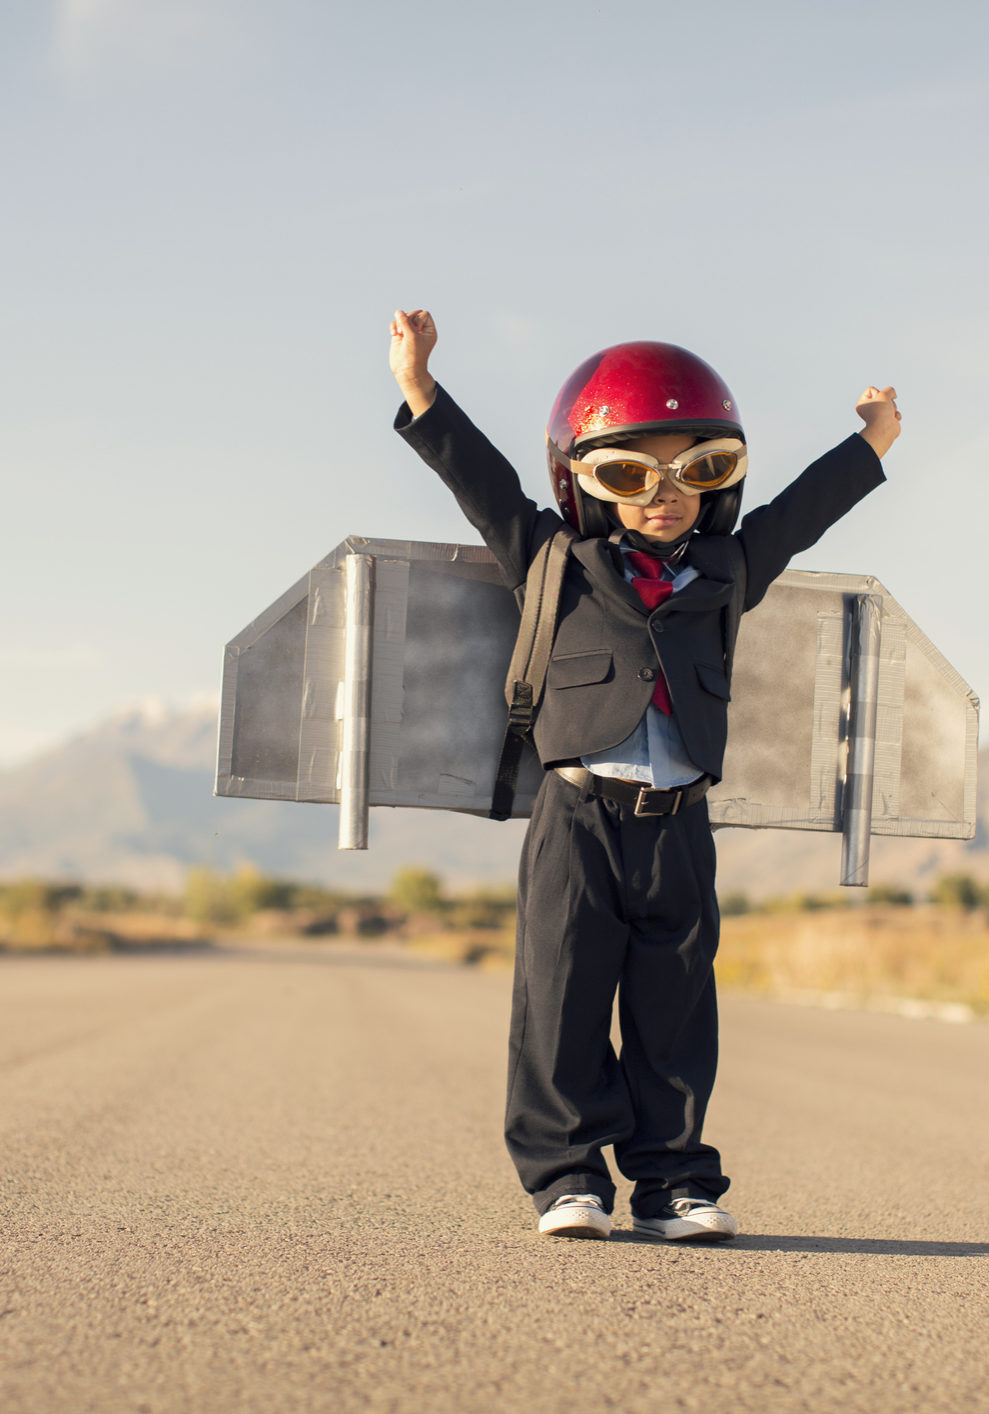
(616, 887)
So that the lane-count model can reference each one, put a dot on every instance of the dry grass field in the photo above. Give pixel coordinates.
(859, 956)
(853, 952)
(862, 955)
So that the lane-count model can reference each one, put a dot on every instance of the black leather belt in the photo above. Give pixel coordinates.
(648, 800)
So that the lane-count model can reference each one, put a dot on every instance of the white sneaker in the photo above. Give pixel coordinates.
(576, 1215)
(689, 1220)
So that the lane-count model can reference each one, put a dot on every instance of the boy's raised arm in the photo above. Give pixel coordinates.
(797, 518)
(413, 338)
(485, 484)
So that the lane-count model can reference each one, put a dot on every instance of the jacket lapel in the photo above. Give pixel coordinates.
(603, 562)
(707, 554)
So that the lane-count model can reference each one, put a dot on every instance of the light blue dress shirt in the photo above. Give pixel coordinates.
(654, 754)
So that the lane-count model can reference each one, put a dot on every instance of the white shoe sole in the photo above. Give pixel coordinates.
(576, 1222)
(714, 1227)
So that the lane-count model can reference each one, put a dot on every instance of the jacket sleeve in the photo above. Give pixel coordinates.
(485, 484)
(797, 518)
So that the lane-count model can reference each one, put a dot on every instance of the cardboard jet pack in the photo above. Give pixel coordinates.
(378, 679)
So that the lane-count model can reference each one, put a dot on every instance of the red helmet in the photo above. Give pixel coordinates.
(628, 391)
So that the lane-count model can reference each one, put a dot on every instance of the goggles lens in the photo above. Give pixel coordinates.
(625, 476)
(708, 471)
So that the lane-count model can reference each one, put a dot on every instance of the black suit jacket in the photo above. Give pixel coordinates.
(596, 690)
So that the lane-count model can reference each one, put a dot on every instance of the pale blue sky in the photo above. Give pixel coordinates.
(211, 208)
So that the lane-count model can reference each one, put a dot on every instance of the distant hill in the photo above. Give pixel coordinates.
(770, 863)
(131, 802)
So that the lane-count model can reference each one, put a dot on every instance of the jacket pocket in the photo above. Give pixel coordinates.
(579, 669)
(713, 680)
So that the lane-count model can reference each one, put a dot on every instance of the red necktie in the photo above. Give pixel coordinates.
(653, 590)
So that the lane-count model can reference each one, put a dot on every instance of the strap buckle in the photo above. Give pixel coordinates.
(642, 803)
(521, 711)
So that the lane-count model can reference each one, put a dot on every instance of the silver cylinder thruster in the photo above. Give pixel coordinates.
(356, 702)
(856, 825)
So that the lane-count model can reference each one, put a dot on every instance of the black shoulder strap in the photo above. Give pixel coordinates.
(530, 659)
(733, 612)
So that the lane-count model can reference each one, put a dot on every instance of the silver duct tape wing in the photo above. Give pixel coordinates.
(378, 679)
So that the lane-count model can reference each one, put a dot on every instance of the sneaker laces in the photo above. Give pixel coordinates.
(590, 1200)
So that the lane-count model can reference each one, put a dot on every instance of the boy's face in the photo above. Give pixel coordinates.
(671, 511)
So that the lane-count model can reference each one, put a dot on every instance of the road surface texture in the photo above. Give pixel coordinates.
(249, 1182)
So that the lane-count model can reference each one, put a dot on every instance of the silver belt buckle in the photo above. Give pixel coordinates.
(644, 792)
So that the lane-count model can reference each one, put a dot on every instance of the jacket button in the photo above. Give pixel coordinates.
(647, 674)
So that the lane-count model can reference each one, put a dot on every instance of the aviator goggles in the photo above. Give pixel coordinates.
(614, 474)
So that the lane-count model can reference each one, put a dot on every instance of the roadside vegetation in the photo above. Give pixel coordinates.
(861, 948)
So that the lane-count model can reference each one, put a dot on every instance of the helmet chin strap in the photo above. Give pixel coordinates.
(672, 551)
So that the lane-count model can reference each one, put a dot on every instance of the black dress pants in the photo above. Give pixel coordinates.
(608, 903)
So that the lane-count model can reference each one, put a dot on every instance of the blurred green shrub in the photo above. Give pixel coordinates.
(890, 894)
(959, 891)
(416, 890)
(734, 905)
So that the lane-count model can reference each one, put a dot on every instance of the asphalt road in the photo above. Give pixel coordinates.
(254, 1183)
